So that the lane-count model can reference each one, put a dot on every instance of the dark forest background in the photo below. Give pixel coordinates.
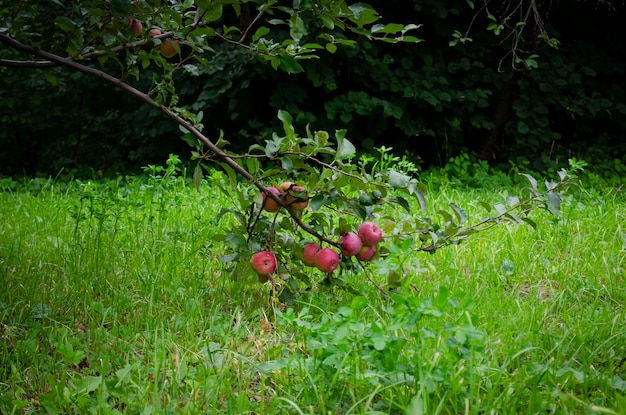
(556, 91)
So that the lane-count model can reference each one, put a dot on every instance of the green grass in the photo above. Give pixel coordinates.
(113, 300)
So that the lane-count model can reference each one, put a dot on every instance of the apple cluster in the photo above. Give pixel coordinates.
(364, 243)
(324, 259)
(168, 47)
(361, 244)
(296, 197)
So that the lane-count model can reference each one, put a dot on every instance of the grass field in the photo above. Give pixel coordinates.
(113, 300)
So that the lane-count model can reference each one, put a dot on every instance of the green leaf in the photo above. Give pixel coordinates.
(363, 14)
(421, 200)
(205, 4)
(398, 180)
(500, 208)
(388, 28)
(289, 64)
(345, 149)
(379, 341)
(236, 240)
(512, 200)
(260, 32)
(253, 165)
(89, 384)
(531, 180)
(331, 47)
(530, 222)
(286, 163)
(317, 201)
(297, 27)
(411, 39)
(66, 24)
(197, 176)
(124, 373)
(554, 203)
(377, 28)
(191, 139)
(358, 209)
(359, 303)
(522, 127)
(213, 13)
(287, 120)
(416, 406)
(328, 21)
(461, 215)
(402, 202)
(272, 147)
(446, 216)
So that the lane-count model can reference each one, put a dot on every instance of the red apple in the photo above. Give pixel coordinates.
(263, 263)
(154, 32)
(270, 204)
(135, 27)
(308, 254)
(168, 48)
(370, 233)
(326, 260)
(366, 253)
(351, 244)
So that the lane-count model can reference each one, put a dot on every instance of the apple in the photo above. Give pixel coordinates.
(370, 233)
(154, 32)
(135, 27)
(263, 263)
(351, 244)
(285, 186)
(270, 204)
(298, 198)
(326, 260)
(295, 196)
(366, 253)
(308, 254)
(168, 48)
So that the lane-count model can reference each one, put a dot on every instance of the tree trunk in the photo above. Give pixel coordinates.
(488, 149)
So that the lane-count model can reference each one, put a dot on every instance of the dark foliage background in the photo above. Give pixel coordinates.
(430, 100)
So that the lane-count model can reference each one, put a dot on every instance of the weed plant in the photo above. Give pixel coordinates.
(113, 301)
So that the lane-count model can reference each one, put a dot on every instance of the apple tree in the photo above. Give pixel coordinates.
(299, 201)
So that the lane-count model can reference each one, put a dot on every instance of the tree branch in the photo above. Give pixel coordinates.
(70, 63)
(26, 64)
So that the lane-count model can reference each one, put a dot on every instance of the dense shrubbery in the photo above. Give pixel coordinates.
(428, 99)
